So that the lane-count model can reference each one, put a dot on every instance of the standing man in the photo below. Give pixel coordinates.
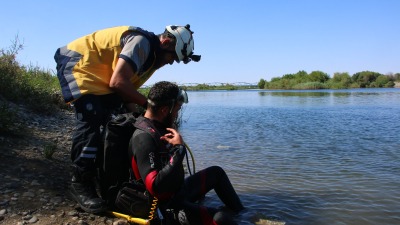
(157, 164)
(100, 71)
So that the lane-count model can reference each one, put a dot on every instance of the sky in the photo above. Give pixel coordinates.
(239, 41)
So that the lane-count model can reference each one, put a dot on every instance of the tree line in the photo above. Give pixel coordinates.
(321, 80)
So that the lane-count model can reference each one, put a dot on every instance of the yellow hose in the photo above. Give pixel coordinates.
(153, 208)
(131, 219)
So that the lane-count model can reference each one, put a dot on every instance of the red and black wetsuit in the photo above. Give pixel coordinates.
(161, 170)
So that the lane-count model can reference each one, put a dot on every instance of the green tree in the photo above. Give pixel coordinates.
(341, 77)
(276, 79)
(340, 80)
(319, 80)
(390, 84)
(301, 77)
(365, 78)
(318, 76)
(228, 86)
(288, 76)
(261, 84)
(381, 81)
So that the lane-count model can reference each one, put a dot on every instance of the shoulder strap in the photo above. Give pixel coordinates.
(143, 124)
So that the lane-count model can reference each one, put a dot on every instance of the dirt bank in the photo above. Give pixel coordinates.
(33, 189)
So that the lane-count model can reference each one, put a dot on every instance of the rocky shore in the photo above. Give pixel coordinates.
(33, 188)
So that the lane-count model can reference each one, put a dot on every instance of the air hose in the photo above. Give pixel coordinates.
(187, 160)
(131, 219)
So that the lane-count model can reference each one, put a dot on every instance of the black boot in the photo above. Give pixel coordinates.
(83, 191)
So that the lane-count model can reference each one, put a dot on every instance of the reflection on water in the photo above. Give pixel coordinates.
(291, 94)
(299, 157)
(315, 93)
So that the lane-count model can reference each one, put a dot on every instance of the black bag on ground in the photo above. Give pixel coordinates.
(132, 199)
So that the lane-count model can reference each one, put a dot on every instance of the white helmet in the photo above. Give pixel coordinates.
(184, 43)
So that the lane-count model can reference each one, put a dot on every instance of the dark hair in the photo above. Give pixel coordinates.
(162, 94)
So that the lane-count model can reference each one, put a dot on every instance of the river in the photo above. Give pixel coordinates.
(302, 157)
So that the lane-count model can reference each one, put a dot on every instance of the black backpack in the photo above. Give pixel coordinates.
(116, 168)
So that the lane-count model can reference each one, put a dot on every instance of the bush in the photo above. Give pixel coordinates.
(42, 90)
(310, 86)
(390, 84)
(35, 87)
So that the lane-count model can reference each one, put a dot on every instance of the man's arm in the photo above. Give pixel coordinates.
(121, 84)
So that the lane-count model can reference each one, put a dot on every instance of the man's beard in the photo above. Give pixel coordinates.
(169, 121)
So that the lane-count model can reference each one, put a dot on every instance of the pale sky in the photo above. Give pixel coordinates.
(240, 41)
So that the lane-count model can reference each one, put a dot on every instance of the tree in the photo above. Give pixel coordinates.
(288, 76)
(365, 78)
(275, 79)
(319, 79)
(261, 84)
(382, 80)
(301, 76)
(342, 79)
(318, 76)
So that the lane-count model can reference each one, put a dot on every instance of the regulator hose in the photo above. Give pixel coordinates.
(187, 160)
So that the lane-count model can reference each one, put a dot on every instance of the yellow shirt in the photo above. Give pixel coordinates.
(85, 65)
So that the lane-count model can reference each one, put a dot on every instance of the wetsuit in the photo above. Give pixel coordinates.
(160, 168)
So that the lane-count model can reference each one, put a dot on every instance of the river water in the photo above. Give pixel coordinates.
(302, 157)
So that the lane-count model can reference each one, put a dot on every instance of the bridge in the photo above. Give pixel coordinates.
(213, 84)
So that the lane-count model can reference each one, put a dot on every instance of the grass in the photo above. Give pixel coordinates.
(310, 86)
(49, 150)
(33, 87)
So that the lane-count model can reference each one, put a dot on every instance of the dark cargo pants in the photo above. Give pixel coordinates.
(92, 113)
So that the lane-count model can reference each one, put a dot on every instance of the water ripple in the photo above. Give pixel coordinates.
(303, 159)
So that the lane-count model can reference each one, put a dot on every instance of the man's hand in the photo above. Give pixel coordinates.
(173, 138)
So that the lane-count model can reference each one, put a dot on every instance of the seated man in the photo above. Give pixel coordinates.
(157, 163)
